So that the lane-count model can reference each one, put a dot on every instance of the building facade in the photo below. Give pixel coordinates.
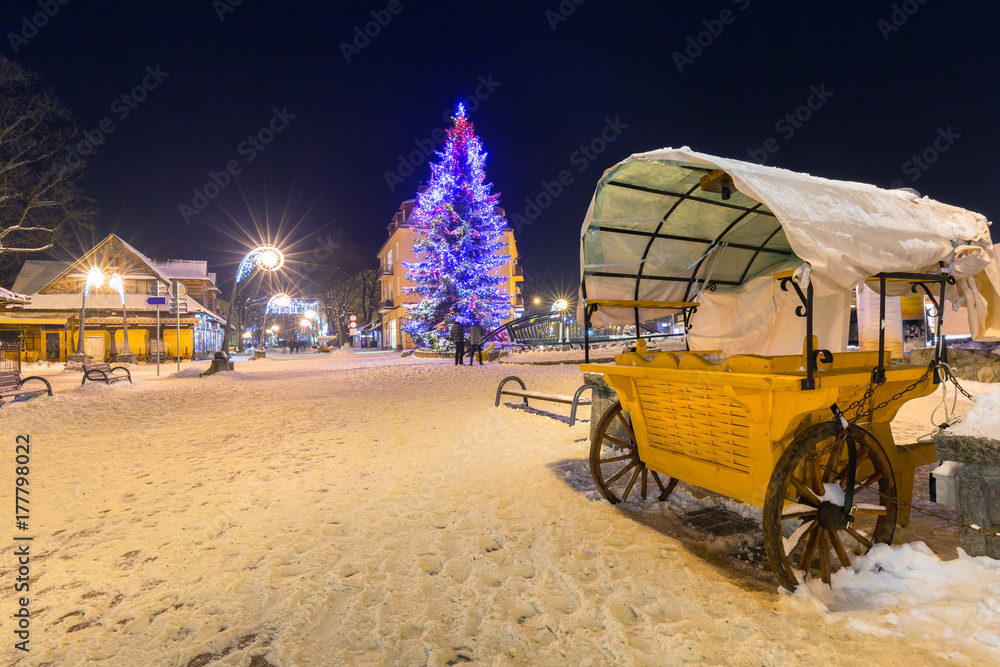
(392, 276)
(47, 325)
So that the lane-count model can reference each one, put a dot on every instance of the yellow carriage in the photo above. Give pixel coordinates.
(776, 410)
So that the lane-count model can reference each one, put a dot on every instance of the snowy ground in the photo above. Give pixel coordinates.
(367, 509)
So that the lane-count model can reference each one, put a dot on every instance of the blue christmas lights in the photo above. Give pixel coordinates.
(459, 234)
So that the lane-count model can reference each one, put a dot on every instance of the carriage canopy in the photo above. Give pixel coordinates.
(675, 225)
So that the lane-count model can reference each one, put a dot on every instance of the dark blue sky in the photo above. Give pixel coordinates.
(887, 81)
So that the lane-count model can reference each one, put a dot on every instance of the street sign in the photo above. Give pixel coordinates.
(177, 305)
(156, 300)
(177, 289)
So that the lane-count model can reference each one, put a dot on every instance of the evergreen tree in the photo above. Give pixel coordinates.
(459, 231)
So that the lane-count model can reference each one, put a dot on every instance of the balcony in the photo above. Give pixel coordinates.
(387, 304)
(518, 271)
(518, 300)
(386, 269)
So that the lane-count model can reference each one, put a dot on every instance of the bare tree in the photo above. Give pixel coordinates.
(40, 168)
(346, 282)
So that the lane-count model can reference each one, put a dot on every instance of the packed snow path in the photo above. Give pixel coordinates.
(346, 511)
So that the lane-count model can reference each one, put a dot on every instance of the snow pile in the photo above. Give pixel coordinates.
(190, 372)
(36, 366)
(342, 352)
(983, 419)
(908, 592)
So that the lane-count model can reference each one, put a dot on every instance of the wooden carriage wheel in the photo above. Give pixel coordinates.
(615, 464)
(804, 527)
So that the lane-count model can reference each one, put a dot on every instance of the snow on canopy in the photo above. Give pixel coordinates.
(652, 233)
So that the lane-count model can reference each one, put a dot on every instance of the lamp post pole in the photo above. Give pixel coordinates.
(94, 279)
(264, 257)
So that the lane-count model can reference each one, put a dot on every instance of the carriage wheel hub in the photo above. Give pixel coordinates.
(831, 516)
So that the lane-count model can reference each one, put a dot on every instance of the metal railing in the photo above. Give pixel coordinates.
(554, 329)
(386, 269)
(386, 304)
(10, 357)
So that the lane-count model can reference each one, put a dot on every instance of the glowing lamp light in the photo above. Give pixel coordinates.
(561, 304)
(311, 314)
(94, 279)
(278, 302)
(117, 285)
(269, 258)
(305, 322)
(537, 301)
(275, 329)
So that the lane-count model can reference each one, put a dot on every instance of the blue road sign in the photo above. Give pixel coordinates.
(156, 300)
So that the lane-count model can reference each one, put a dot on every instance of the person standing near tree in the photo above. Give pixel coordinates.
(475, 344)
(458, 337)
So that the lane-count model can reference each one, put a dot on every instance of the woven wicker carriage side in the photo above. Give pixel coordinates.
(747, 429)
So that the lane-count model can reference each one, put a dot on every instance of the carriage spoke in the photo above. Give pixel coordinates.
(859, 537)
(831, 463)
(631, 482)
(656, 478)
(626, 457)
(824, 556)
(838, 546)
(807, 551)
(612, 480)
(871, 510)
(644, 475)
(817, 478)
(805, 491)
(621, 443)
(628, 427)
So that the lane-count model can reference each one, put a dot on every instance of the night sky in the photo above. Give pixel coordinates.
(886, 82)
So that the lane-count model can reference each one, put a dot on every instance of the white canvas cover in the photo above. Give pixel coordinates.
(652, 233)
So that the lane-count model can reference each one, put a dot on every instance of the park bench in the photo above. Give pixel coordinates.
(104, 373)
(12, 385)
(573, 400)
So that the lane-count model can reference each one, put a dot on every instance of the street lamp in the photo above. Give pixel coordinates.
(94, 279)
(117, 285)
(278, 301)
(264, 257)
(561, 305)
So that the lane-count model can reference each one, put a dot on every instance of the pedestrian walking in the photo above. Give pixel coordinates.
(458, 337)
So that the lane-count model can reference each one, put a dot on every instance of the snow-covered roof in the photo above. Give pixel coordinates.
(37, 273)
(7, 296)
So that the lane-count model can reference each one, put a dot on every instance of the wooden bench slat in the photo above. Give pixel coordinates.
(553, 398)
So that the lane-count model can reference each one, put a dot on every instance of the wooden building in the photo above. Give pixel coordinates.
(47, 325)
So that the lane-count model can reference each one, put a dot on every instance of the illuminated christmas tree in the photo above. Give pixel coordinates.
(459, 230)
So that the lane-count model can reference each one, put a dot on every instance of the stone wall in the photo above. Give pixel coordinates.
(979, 365)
